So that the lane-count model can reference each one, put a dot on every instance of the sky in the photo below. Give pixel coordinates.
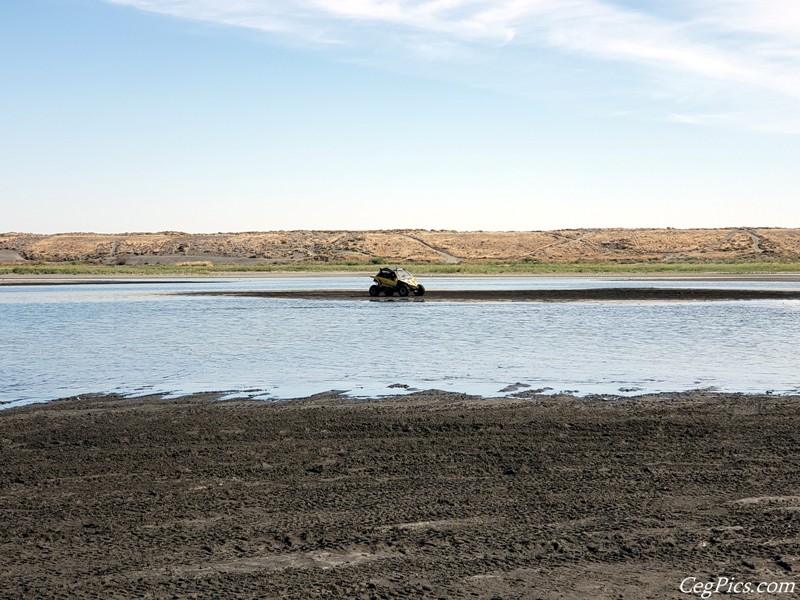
(254, 115)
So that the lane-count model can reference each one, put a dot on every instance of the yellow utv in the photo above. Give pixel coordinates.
(394, 280)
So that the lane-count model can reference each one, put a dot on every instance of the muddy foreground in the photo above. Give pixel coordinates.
(431, 495)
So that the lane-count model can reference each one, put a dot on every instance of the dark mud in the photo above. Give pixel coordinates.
(430, 495)
(572, 295)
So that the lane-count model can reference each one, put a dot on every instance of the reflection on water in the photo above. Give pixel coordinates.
(67, 340)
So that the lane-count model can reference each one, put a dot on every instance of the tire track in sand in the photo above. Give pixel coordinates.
(449, 258)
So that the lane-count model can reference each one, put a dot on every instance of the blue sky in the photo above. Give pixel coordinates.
(234, 115)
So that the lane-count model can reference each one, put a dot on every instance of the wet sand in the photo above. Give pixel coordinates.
(569, 295)
(431, 495)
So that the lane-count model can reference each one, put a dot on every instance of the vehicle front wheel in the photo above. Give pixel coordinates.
(374, 290)
(402, 289)
(419, 291)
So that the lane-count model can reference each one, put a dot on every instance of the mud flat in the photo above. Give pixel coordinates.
(568, 295)
(430, 495)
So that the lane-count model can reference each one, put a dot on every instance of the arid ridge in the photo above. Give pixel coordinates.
(407, 246)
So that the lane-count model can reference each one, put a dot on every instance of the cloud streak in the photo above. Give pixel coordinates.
(711, 49)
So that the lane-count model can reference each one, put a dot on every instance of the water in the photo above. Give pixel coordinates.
(59, 341)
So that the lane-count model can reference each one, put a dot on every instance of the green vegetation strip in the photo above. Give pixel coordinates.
(509, 268)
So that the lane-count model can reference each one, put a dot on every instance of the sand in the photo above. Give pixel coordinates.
(638, 294)
(411, 246)
(431, 495)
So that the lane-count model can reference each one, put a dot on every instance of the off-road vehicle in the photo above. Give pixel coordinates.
(391, 280)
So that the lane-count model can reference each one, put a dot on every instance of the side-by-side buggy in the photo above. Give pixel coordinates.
(391, 280)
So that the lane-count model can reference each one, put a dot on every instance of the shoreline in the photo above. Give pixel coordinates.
(425, 495)
(515, 395)
(512, 394)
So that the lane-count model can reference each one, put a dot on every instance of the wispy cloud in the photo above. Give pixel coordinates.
(712, 50)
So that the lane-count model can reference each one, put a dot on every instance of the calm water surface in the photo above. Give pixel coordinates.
(58, 341)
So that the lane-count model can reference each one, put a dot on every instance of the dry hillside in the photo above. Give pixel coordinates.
(578, 245)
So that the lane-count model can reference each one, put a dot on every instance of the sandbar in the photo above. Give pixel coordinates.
(531, 295)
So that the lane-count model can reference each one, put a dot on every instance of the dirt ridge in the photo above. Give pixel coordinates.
(404, 246)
